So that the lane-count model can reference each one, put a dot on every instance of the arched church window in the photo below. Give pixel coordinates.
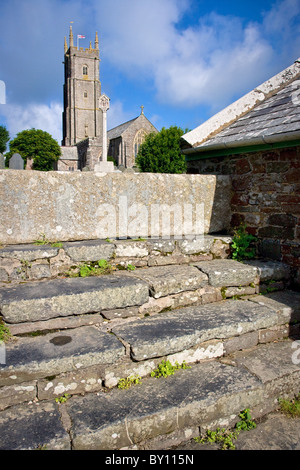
(85, 70)
(139, 140)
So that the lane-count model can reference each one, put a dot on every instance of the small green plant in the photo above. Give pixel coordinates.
(242, 244)
(44, 241)
(57, 245)
(5, 334)
(130, 267)
(41, 241)
(63, 398)
(129, 381)
(246, 423)
(165, 368)
(102, 267)
(290, 408)
(219, 436)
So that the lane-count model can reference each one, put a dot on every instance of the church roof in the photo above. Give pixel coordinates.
(268, 114)
(119, 130)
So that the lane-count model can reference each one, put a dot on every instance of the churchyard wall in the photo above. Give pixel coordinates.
(65, 206)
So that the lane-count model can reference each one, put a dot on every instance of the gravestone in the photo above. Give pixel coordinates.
(2, 163)
(16, 162)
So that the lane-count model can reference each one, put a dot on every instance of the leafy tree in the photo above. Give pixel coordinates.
(4, 138)
(160, 153)
(37, 145)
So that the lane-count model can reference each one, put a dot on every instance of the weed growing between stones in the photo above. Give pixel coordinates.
(5, 334)
(165, 368)
(225, 437)
(290, 408)
(44, 241)
(129, 381)
(97, 268)
(242, 244)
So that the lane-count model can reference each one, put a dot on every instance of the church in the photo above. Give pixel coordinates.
(86, 142)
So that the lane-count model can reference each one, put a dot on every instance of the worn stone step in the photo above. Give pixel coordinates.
(183, 329)
(89, 358)
(44, 300)
(63, 297)
(158, 413)
(29, 262)
(29, 358)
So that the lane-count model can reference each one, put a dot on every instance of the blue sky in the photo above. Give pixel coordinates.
(183, 60)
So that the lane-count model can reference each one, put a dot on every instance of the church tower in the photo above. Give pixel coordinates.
(82, 117)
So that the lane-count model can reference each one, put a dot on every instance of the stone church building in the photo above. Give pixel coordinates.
(84, 116)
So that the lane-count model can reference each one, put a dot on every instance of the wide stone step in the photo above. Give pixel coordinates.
(30, 261)
(91, 358)
(63, 297)
(159, 413)
(151, 289)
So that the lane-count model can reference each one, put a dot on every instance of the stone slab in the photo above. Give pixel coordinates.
(28, 252)
(270, 270)
(16, 394)
(227, 272)
(196, 396)
(182, 329)
(166, 280)
(33, 427)
(285, 303)
(63, 297)
(28, 358)
(271, 362)
(89, 250)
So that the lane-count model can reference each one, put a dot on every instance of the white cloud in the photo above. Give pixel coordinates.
(38, 116)
(210, 63)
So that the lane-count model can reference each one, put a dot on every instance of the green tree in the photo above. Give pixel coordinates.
(4, 138)
(160, 153)
(37, 145)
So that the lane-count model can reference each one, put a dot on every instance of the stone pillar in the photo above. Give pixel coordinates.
(104, 166)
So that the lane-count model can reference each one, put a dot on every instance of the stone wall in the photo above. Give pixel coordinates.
(86, 205)
(266, 197)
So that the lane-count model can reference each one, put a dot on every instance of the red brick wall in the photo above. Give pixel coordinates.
(266, 196)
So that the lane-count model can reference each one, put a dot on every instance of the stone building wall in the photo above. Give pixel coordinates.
(122, 148)
(266, 197)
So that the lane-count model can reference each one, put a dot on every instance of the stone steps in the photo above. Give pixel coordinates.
(93, 358)
(159, 413)
(144, 291)
(34, 262)
(81, 336)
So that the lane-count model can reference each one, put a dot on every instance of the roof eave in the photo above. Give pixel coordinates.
(246, 145)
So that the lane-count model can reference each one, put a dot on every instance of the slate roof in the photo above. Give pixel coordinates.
(268, 114)
(119, 130)
(277, 116)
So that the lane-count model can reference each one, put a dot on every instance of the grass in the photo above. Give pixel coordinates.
(290, 408)
(5, 334)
